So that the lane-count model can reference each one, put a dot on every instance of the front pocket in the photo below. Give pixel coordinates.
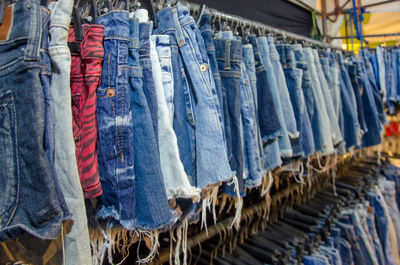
(9, 168)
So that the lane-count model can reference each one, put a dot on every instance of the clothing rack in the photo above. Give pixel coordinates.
(279, 200)
(193, 7)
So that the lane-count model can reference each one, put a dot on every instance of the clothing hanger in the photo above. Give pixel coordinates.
(201, 12)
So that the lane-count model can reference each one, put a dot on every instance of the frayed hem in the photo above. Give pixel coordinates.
(184, 193)
(286, 153)
(251, 184)
(294, 136)
(273, 136)
(225, 178)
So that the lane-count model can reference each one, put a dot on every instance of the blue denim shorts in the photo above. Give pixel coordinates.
(25, 172)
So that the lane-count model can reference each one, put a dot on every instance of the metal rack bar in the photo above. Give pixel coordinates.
(248, 22)
(369, 36)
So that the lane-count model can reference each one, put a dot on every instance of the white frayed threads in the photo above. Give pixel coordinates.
(181, 243)
(154, 244)
(266, 192)
(238, 204)
(206, 204)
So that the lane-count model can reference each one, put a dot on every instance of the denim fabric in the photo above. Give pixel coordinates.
(349, 116)
(393, 173)
(252, 166)
(327, 101)
(333, 253)
(307, 137)
(356, 75)
(315, 260)
(283, 91)
(293, 78)
(207, 34)
(212, 164)
(373, 133)
(266, 85)
(383, 223)
(381, 71)
(346, 252)
(317, 111)
(348, 233)
(175, 179)
(375, 238)
(229, 56)
(116, 150)
(374, 62)
(269, 61)
(395, 82)
(390, 82)
(29, 200)
(249, 61)
(388, 189)
(145, 29)
(333, 75)
(77, 242)
(152, 209)
(270, 115)
(374, 87)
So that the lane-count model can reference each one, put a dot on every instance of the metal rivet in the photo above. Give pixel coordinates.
(111, 92)
(204, 67)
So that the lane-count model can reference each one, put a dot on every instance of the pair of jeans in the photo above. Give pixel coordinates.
(381, 71)
(87, 57)
(307, 137)
(393, 173)
(348, 233)
(351, 126)
(327, 101)
(288, 114)
(26, 174)
(333, 253)
(229, 58)
(388, 189)
(375, 238)
(315, 259)
(175, 179)
(249, 61)
(252, 166)
(384, 226)
(266, 85)
(116, 150)
(195, 101)
(77, 242)
(317, 111)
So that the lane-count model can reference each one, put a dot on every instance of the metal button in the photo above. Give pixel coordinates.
(204, 67)
(110, 92)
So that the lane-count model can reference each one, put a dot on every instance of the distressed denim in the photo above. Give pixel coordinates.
(252, 168)
(175, 179)
(249, 61)
(77, 242)
(211, 159)
(283, 90)
(327, 101)
(375, 238)
(25, 170)
(266, 84)
(320, 120)
(85, 79)
(351, 125)
(229, 56)
(315, 260)
(114, 117)
(152, 208)
(307, 137)
(381, 71)
(207, 34)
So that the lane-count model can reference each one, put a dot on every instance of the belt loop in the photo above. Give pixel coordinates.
(32, 51)
(227, 54)
(180, 39)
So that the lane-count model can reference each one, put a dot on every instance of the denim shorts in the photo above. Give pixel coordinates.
(115, 151)
(86, 70)
(25, 172)
(202, 143)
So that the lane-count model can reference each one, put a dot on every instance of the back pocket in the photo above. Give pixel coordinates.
(9, 172)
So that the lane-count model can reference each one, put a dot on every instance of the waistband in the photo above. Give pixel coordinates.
(134, 33)
(248, 54)
(61, 15)
(161, 39)
(286, 55)
(173, 19)
(253, 41)
(228, 50)
(116, 25)
(92, 44)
